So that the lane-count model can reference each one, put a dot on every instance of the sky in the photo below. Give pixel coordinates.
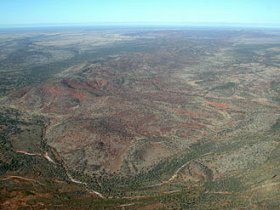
(55, 12)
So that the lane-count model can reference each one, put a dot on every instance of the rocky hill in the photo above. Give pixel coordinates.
(157, 119)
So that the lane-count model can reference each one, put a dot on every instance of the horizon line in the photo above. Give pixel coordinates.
(140, 24)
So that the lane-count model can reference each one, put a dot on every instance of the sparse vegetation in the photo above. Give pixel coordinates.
(125, 119)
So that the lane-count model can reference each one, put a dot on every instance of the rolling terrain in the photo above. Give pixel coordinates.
(161, 118)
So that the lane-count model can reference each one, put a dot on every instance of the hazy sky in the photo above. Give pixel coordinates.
(139, 11)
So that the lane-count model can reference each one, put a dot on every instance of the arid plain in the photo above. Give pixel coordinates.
(151, 118)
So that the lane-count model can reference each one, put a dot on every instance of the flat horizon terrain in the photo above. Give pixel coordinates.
(140, 118)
